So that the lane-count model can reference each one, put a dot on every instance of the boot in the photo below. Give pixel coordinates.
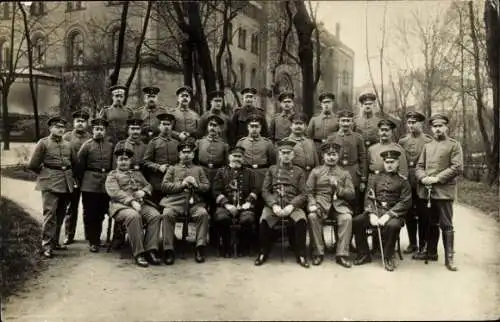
(448, 239)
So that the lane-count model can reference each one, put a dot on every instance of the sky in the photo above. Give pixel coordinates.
(352, 17)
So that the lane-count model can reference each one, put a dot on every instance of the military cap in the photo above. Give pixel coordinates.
(366, 97)
(99, 121)
(329, 147)
(298, 117)
(114, 88)
(186, 144)
(345, 113)
(419, 117)
(184, 88)
(250, 90)
(439, 116)
(124, 152)
(285, 144)
(329, 95)
(151, 90)
(285, 95)
(80, 114)
(215, 94)
(135, 122)
(165, 117)
(56, 120)
(237, 149)
(254, 118)
(387, 122)
(215, 118)
(390, 154)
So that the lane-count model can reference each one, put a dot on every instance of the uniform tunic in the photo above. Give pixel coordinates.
(149, 116)
(234, 186)
(321, 126)
(376, 163)
(280, 127)
(368, 128)
(305, 154)
(413, 146)
(186, 120)
(160, 150)
(76, 139)
(202, 127)
(352, 155)
(239, 128)
(139, 148)
(211, 154)
(117, 118)
(259, 155)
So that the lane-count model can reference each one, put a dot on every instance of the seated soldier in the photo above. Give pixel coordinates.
(235, 193)
(184, 185)
(283, 194)
(329, 190)
(388, 199)
(126, 189)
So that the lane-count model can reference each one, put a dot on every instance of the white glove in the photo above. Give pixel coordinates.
(373, 220)
(383, 220)
(163, 167)
(277, 210)
(247, 205)
(287, 210)
(232, 209)
(313, 208)
(136, 205)
(139, 194)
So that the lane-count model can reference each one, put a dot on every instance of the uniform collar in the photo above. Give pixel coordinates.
(326, 115)
(166, 136)
(286, 115)
(212, 138)
(55, 138)
(183, 108)
(78, 134)
(154, 107)
(296, 138)
(187, 165)
(367, 115)
(341, 133)
(254, 139)
(134, 142)
(286, 166)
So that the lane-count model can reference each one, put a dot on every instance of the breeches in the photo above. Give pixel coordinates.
(54, 209)
(344, 232)
(95, 207)
(197, 214)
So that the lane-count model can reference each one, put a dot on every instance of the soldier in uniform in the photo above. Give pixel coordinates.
(386, 142)
(284, 196)
(305, 154)
(127, 190)
(134, 143)
(439, 164)
(324, 124)
(235, 193)
(366, 122)
(161, 153)
(76, 137)
(95, 161)
(149, 112)
(186, 120)
(53, 160)
(117, 114)
(184, 185)
(216, 104)
(329, 191)
(280, 123)
(387, 200)
(240, 117)
(413, 143)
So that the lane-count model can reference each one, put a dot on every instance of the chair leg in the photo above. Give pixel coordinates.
(399, 248)
(108, 234)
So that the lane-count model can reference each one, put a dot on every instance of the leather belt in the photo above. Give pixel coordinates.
(211, 165)
(374, 172)
(257, 166)
(347, 163)
(319, 140)
(61, 167)
(102, 170)
(368, 142)
(412, 164)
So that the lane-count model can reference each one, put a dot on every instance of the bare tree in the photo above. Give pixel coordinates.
(115, 74)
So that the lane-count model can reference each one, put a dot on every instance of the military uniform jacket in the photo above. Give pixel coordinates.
(352, 155)
(321, 126)
(234, 186)
(186, 120)
(95, 161)
(211, 152)
(413, 145)
(280, 127)
(202, 127)
(368, 128)
(259, 152)
(117, 118)
(292, 179)
(305, 154)
(76, 139)
(376, 163)
(160, 150)
(148, 115)
(120, 187)
(53, 160)
(139, 148)
(238, 127)
(321, 194)
(392, 195)
(176, 195)
(443, 159)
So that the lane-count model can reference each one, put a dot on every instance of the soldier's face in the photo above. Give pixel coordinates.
(236, 159)
(118, 98)
(326, 104)
(57, 129)
(98, 131)
(184, 98)
(286, 155)
(385, 133)
(331, 157)
(345, 123)
(439, 129)
(367, 106)
(134, 131)
(298, 127)
(213, 127)
(216, 103)
(186, 155)
(165, 126)
(254, 128)
(123, 162)
(391, 165)
(414, 126)
(79, 124)
(151, 99)
(248, 99)
(287, 104)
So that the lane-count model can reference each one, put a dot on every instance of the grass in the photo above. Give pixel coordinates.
(20, 243)
(18, 172)
(479, 195)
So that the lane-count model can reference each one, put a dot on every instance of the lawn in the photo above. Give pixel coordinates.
(479, 195)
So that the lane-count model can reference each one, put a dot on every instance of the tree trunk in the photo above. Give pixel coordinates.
(5, 120)
(113, 78)
(187, 61)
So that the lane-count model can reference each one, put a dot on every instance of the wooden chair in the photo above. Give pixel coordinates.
(332, 223)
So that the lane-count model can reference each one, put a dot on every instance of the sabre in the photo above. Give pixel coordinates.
(236, 199)
(429, 192)
(281, 193)
(371, 195)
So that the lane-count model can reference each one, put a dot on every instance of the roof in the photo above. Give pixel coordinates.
(24, 72)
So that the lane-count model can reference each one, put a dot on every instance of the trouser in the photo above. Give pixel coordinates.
(72, 215)
(95, 207)
(198, 214)
(223, 220)
(156, 196)
(440, 215)
(54, 209)
(134, 222)
(344, 232)
(416, 221)
(389, 233)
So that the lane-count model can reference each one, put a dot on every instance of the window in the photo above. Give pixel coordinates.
(6, 10)
(345, 77)
(242, 38)
(243, 75)
(74, 5)
(75, 48)
(255, 43)
(230, 33)
(37, 8)
(253, 77)
(38, 44)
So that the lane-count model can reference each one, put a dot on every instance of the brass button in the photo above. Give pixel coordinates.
(308, 168)
(344, 162)
(136, 167)
(63, 167)
(103, 170)
(255, 166)
(150, 133)
(210, 165)
(323, 140)
(367, 143)
(384, 204)
(411, 163)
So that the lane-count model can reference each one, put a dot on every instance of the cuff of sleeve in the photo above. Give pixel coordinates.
(128, 201)
(221, 200)
(252, 197)
(391, 214)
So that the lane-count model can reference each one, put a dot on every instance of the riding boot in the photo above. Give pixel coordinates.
(448, 240)
(264, 238)
(433, 239)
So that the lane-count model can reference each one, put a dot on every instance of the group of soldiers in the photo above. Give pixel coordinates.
(148, 166)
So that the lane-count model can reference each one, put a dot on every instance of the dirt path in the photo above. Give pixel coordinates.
(80, 286)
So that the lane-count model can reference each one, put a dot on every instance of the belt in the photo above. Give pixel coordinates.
(374, 172)
(307, 168)
(257, 166)
(61, 167)
(368, 142)
(211, 165)
(319, 140)
(347, 163)
(412, 164)
(103, 170)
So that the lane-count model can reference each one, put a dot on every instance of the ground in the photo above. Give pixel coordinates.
(81, 286)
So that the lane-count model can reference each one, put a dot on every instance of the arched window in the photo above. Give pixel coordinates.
(243, 75)
(253, 78)
(75, 48)
(38, 44)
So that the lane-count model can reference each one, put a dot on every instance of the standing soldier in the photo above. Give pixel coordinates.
(184, 185)
(305, 153)
(161, 153)
(439, 164)
(240, 117)
(280, 123)
(216, 104)
(117, 114)
(387, 200)
(95, 160)
(149, 112)
(284, 196)
(329, 191)
(235, 194)
(413, 144)
(75, 139)
(127, 190)
(324, 124)
(134, 143)
(53, 160)
(366, 122)
(186, 120)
